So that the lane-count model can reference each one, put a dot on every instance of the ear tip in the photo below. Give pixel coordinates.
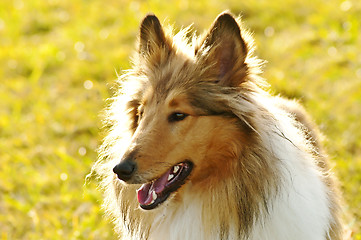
(151, 35)
(150, 19)
(227, 21)
(226, 16)
(226, 13)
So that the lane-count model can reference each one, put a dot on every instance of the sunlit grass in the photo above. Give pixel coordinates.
(58, 62)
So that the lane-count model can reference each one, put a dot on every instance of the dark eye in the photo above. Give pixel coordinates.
(140, 114)
(177, 116)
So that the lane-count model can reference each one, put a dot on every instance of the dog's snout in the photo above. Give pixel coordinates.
(125, 169)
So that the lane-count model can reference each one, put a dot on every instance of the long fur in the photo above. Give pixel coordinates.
(259, 169)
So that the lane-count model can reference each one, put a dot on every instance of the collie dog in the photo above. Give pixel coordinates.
(197, 148)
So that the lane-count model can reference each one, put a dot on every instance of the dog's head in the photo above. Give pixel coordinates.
(182, 122)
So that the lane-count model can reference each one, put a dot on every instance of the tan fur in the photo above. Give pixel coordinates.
(234, 172)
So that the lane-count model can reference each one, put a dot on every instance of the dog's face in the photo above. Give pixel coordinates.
(180, 132)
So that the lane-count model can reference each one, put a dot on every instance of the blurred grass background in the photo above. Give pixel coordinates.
(58, 61)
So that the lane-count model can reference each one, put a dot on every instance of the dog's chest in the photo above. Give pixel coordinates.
(182, 222)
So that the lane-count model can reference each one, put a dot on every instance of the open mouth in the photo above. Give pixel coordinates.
(151, 194)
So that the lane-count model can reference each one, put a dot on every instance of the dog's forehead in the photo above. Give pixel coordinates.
(163, 94)
(173, 76)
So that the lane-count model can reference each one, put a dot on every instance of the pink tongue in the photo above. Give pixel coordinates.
(145, 192)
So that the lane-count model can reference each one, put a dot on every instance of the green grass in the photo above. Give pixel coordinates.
(58, 61)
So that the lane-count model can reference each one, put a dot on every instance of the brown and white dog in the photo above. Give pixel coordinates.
(197, 149)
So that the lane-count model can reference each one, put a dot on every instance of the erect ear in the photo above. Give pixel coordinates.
(224, 48)
(152, 36)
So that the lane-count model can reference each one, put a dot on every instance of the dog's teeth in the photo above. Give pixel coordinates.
(170, 176)
(154, 197)
(175, 169)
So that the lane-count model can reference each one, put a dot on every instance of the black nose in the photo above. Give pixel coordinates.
(125, 169)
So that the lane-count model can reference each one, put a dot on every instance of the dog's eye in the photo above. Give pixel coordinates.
(140, 114)
(177, 116)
